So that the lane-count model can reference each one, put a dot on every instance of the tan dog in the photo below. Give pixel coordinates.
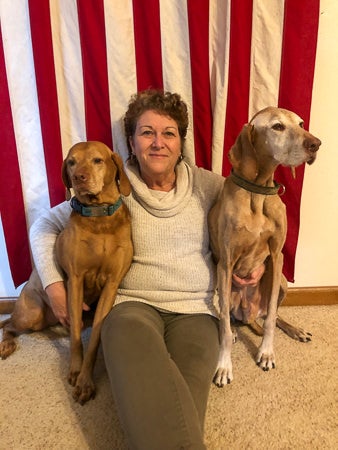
(94, 250)
(248, 228)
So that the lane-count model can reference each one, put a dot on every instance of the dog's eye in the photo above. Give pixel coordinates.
(278, 127)
(301, 124)
(98, 160)
(70, 162)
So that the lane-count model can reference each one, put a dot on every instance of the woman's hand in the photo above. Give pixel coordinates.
(251, 280)
(58, 302)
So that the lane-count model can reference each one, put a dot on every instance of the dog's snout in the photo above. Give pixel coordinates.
(80, 176)
(312, 144)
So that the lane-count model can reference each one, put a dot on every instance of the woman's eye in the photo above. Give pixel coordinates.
(147, 133)
(169, 134)
(278, 127)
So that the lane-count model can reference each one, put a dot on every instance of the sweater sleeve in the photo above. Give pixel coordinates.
(43, 234)
(210, 184)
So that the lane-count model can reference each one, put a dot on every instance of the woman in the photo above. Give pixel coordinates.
(160, 341)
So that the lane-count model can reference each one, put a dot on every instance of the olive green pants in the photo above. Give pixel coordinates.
(160, 367)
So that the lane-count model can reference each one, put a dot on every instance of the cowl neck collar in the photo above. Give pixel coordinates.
(169, 204)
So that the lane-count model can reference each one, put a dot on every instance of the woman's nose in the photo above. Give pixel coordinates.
(158, 140)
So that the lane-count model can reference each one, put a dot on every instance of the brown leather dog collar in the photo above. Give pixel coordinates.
(95, 211)
(255, 188)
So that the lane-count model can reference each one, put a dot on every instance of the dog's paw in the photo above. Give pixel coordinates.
(265, 360)
(72, 377)
(294, 332)
(84, 391)
(74, 367)
(7, 347)
(223, 373)
(223, 376)
(301, 335)
(305, 336)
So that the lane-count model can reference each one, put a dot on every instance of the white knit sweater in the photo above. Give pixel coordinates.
(172, 267)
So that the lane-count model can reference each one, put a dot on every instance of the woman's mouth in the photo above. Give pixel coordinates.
(156, 156)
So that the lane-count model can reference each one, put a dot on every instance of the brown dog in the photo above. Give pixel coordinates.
(248, 228)
(94, 250)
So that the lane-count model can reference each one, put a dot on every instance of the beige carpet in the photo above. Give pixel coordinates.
(291, 407)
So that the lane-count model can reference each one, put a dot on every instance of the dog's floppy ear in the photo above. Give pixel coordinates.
(123, 182)
(242, 154)
(66, 179)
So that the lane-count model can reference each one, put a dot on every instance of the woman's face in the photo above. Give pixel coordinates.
(156, 144)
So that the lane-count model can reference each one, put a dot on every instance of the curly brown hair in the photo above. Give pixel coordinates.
(165, 103)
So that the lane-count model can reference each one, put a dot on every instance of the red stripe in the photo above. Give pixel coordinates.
(95, 70)
(198, 17)
(299, 56)
(47, 96)
(239, 74)
(296, 81)
(147, 35)
(11, 200)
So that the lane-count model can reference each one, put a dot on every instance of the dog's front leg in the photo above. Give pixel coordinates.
(224, 370)
(265, 357)
(75, 300)
(85, 387)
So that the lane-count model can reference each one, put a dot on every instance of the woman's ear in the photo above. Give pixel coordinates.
(131, 142)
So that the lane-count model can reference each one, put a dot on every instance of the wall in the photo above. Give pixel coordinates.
(317, 254)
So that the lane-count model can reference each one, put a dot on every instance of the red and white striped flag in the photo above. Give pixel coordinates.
(68, 69)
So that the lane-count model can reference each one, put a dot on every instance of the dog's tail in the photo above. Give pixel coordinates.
(4, 322)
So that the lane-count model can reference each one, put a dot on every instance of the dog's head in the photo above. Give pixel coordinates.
(93, 170)
(276, 135)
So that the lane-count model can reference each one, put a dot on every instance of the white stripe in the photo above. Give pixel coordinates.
(121, 66)
(266, 53)
(176, 59)
(219, 32)
(24, 103)
(7, 288)
(68, 70)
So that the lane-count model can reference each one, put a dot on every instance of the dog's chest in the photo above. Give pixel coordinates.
(82, 249)
(250, 223)
(254, 217)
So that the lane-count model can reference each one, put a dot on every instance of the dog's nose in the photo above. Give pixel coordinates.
(80, 177)
(312, 144)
